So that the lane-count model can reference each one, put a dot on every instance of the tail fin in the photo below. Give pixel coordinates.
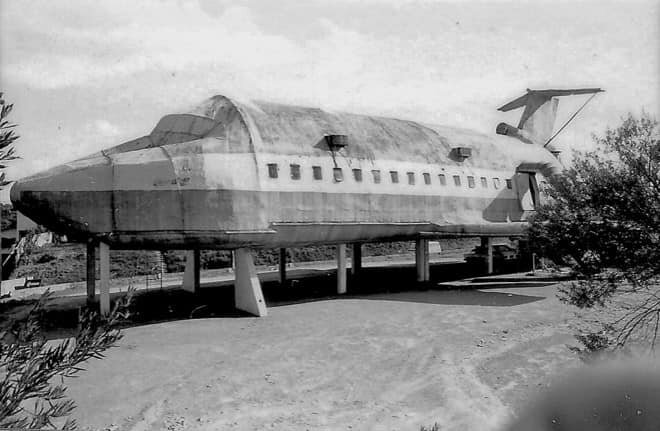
(538, 119)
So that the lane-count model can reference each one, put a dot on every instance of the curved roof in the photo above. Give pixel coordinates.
(287, 129)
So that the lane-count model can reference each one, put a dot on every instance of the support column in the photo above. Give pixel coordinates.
(191, 273)
(427, 261)
(247, 288)
(487, 243)
(356, 259)
(341, 269)
(422, 259)
(283, 267)
(91, 272)
(104, 284)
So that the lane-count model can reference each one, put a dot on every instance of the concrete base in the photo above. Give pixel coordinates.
(247, 288)
(104, 284)
(341, 269)
(422, 260)
(191, 273)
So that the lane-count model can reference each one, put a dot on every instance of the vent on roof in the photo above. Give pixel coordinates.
(461, 153)
(336, 142)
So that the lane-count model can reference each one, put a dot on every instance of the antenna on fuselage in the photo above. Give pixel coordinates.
(538, 119)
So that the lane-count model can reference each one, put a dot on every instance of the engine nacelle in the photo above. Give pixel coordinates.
(514, 132)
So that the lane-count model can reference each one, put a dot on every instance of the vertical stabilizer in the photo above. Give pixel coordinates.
(538, 119)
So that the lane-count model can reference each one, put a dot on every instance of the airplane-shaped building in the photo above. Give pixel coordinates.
(240, 176)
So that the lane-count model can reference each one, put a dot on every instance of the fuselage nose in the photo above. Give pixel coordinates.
(74, 198)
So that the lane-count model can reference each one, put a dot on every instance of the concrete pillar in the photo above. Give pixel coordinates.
(487, 243)
(356, 259)
(341, 269)
(91, 272)
(427, 261)
(422, 259)
(162, 269)
(104, 283)
(191, 273)
(282, 267)
(247, 288)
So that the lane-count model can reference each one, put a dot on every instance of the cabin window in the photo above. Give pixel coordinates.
(317, 173)
(394, 175)
(443, 179)
(272, 170)
(427, 178)
(338, 174)
(295, 172)
(509, 183)
(496, 183)
(484, 182)
(357, 174)
(411, 178)
(470, 181)
(457, 180)
(376, 175)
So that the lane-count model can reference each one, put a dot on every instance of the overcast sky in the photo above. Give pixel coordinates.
(85, 75)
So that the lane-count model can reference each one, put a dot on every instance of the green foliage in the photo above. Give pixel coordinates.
(7, 216)
(7, 138)
(603, 219)
(32, 368)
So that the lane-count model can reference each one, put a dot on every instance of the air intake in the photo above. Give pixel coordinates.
(336, 142)
(461, 153)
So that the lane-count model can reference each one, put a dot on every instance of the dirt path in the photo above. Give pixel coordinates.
(464, 359)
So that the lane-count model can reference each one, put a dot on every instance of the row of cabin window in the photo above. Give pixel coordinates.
(338, 175)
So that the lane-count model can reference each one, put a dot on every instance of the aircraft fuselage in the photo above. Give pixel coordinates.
(231, 175)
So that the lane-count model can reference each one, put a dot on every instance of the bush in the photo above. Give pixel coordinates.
(603, 219)
(33, 369)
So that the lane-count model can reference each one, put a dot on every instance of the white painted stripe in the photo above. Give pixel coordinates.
(236, 172)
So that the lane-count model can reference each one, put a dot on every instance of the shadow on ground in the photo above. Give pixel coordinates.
(459, 297)
(391, 283)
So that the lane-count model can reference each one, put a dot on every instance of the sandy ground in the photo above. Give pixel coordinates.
(466, 359)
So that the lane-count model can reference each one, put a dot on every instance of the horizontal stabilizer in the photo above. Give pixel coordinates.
(545, 94)
(537, 120)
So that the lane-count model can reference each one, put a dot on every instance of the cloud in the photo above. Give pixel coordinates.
(105, 128)
(90, 75)
(163, 36)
